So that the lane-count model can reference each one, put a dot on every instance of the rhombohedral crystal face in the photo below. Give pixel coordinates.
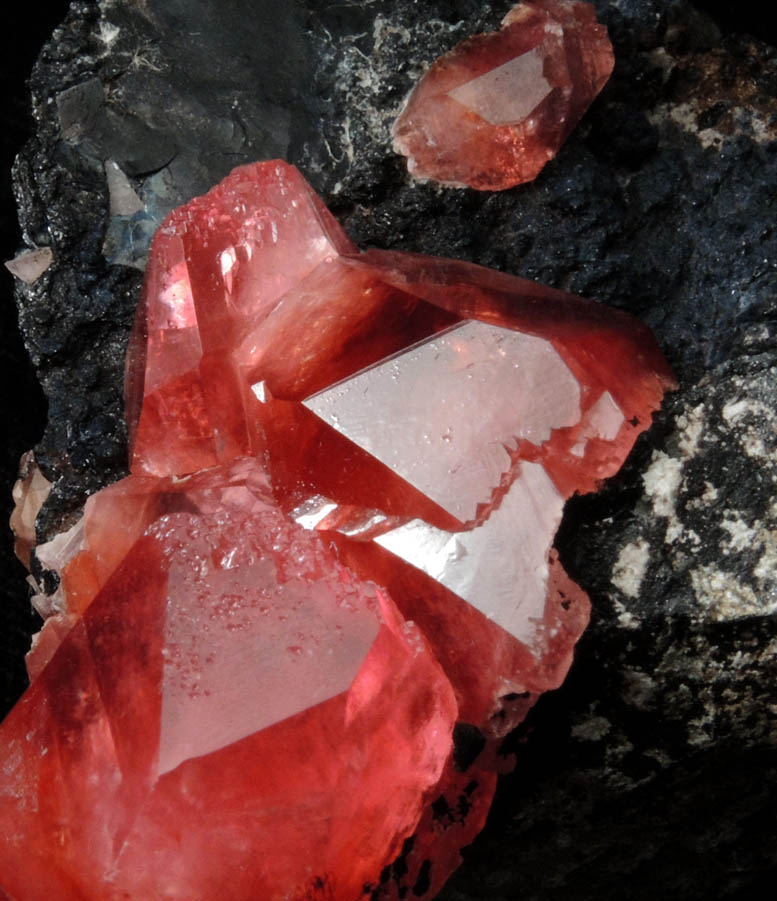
(495, 109)
(331, 563)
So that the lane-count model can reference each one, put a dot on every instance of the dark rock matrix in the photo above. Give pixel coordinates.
(653, 771)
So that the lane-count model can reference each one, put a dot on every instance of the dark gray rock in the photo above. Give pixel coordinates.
(22, 405)
(653, 771)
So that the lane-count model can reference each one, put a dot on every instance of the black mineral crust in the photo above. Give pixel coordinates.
(653, 772)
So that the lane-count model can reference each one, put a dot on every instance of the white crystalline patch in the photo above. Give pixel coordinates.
(442, 414)
(260, 391)
(630, 567)
(54, 555)
(108, 33)
(741, 536)
(508, 93)
(724, 597)
(603, 420)
(500, 567)
(60, 550)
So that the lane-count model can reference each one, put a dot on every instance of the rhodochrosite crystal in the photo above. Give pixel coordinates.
(490, 113)
(329, 573)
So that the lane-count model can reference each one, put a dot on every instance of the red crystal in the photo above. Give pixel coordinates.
(335, 544)
(494, 110)
(223, 696)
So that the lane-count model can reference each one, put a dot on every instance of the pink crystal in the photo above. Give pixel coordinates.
(29, 494)
(30, 265)
(494, 110)
(223, 696)
(334, 546)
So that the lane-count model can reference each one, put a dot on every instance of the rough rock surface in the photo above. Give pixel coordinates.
(22, 405)
(653, 772)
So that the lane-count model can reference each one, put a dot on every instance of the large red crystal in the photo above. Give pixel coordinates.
(491, 113)
(217, 716)
(333, 554)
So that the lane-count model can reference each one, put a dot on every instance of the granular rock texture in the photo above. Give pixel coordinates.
(660, 748)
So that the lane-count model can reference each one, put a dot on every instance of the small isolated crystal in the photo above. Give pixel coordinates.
(122, 198)
(332, 559)
(490, 113)
(30, 265)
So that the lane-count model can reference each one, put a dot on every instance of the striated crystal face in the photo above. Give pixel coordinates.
(333, 555)
(491, 113)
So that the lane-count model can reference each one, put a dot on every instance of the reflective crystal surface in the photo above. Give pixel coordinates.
(228, 710)
(491, 113)
(334, 550)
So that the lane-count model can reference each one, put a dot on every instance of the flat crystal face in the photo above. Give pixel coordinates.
(500, 567)
(446, 414)
(604, 420)
(244, 647)
(508, 93)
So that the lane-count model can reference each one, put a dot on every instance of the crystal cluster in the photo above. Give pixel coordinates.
(332, 560)
(491, 113)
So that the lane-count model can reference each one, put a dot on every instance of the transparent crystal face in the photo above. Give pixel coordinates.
(603, 420)
(446, 414)
(245, 645)
(508, 93)
(500, 567)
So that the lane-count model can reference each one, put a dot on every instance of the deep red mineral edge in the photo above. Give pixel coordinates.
(333, 554)
(494, 110)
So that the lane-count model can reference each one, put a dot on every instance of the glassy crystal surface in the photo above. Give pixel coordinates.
(333, 554)
(29, 493)
(494, 110)
(228, 711)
